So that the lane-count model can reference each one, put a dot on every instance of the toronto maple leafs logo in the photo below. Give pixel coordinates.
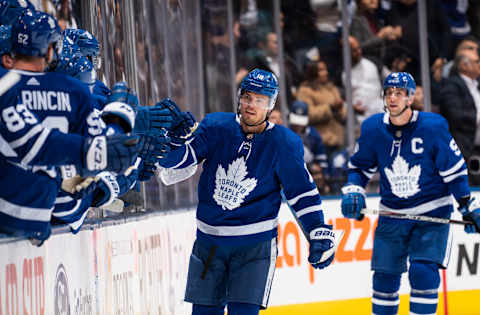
(232, 187)
(403, 180)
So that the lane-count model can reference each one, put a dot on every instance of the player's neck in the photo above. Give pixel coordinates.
(33, 66)
(403, 119)
(253, 129)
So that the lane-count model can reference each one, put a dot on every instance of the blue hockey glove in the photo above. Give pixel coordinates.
(150, 118)
(154, 147)
(471, 212)
(353, 201)
(147, 170)
(183, 124)
(114, 153)
(322, 249)
(110, 187)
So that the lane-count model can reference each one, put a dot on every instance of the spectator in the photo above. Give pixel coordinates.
(265, 56)
(404, 13)
(326, 110)
(418, 99)
(366, 84)
(372, 36)
(276, 117)
(461, 102)
(313, 149)
(468, 43)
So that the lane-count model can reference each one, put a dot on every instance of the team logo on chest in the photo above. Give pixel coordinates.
(232, 187)
(403, 180)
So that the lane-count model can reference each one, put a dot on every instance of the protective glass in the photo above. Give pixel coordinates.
(257, 101)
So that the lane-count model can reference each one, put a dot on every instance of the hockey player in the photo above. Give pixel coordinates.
(420, 168)
(246, 162)
(26, 198)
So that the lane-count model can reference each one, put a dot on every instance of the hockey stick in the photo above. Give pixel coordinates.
(413, 217)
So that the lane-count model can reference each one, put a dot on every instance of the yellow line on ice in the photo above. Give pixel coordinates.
(459, 303)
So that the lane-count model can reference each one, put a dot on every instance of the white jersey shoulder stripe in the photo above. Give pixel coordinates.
(7, 81)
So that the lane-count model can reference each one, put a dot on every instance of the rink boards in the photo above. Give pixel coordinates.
(140, 267)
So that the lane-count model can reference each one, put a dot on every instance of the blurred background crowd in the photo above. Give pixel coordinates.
(331, 57)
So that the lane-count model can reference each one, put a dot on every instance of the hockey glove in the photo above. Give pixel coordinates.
(121, 107)
(471, 212)
(154, 147)
(110, 187)
(353, 201)
(147, 170)
(322, 250)
(150, 118)
(114, 153)
(183, 124)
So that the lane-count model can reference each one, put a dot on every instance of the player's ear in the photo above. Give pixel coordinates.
(7, 61)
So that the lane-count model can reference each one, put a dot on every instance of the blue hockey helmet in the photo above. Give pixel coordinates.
(34, 32)
(10, 10)
(5, 39)
(79, 67)
(403, 80)
(87, 43)
(261, 82)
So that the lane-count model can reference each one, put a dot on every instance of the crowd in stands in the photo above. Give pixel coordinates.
(384, 38)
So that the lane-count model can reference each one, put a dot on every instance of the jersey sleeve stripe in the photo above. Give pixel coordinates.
(308, 210)
(36, 147)
(240, 230)
(6, 149)
(77, 224)
(22, 140)
(452, 170)
(294, 200)
(25, 213)
(8, 80)
(68, 212)
(452, 177)
(63, 199)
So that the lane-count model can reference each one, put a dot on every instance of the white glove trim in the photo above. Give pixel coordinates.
(353, 189)
(324, 233)
(110, 181)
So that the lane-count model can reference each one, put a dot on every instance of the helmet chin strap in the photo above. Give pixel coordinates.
(399, 114)
(252, 125)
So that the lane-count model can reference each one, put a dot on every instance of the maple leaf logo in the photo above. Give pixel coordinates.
(232, 187)
(403, 180)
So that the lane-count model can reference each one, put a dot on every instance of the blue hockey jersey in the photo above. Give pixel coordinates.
(420, 164)
(239, 188)
(64, 103)
(27, 197)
